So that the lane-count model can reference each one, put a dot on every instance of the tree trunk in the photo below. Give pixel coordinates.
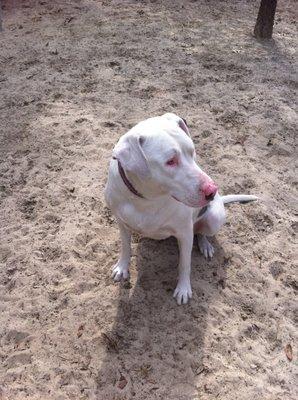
(0, 16)
(265, 20)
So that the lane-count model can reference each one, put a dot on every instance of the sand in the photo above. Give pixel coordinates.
(74, 76)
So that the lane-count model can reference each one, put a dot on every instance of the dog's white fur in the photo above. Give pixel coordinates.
(173, 195)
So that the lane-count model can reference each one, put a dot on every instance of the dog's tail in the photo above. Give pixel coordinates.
(238, 198)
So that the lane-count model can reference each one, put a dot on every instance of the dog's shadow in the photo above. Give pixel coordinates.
(157, 347)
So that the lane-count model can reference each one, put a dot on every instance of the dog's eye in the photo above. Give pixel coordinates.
(172, 161)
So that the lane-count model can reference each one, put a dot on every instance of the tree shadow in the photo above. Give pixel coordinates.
(276, 52)
(9, 6)
(156, 348)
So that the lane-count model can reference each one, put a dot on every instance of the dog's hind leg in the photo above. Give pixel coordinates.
(209, 224)
(205, 246)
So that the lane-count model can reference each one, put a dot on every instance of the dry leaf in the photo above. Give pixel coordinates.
(80, 330)
(122, 382)
(289, 352)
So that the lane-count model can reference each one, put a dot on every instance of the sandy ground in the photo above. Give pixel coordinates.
(74, 76)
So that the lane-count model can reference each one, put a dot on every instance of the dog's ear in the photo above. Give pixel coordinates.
(131, 156)
(180, 121)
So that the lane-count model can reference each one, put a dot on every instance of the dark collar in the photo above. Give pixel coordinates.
(126, 182)
(202, 211)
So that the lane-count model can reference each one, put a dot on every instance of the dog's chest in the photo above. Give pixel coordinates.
(152, 223)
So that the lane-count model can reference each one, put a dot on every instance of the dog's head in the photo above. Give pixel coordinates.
(160, 149)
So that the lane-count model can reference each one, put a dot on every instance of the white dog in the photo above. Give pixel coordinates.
(156, 188)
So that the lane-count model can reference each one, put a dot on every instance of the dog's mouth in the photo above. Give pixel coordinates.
(175, 198)
(199, 204)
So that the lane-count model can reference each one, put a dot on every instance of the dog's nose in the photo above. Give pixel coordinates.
(209, 190)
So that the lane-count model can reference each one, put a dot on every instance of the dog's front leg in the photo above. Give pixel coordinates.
(183, 289)
(121, 269)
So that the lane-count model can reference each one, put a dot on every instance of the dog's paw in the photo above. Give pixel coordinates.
(120, 272)
(183, 292)
(205, 247)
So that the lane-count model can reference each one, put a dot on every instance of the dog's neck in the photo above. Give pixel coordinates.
(127, 182)
(143, 189)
